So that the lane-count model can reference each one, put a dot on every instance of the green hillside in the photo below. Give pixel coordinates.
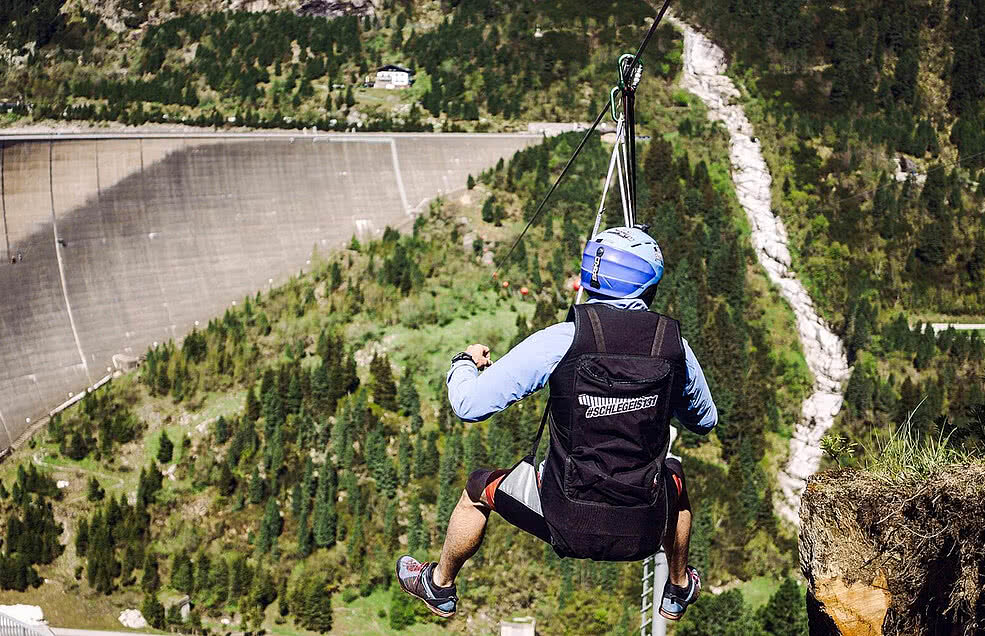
(489, 65)
(274, 464)
(838, 97)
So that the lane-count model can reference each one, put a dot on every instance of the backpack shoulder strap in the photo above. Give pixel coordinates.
(667, 339)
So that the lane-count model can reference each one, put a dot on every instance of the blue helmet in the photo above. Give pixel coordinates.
(622, 262)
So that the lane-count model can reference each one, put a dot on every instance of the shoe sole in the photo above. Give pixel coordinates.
(669, 616)
(434, 610)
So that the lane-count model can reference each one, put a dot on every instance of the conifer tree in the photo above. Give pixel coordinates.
(153, 611)
(475, 450)
(325, 516)
(95, 492)
(166, 448)
(238, 578)
(258, 487)
(294, 393)
(221, 430)
(417, 538)
(226, 483)
(405, 453)
(383, 387)
(270, 526)
(203, 568)
(447, 492)
(182, 573)
(391, 527)
(283, 604)
(82, 538)
(219, 581)
(407, 395)
(151, 580)
(252, 410)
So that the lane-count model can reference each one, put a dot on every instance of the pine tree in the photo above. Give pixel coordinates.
(391, 527)
(405, 453)
(383, 387)
(151, 580)
(238, 578)
(221, 430)
(417, 538)
(283, 604)
(166, 448)
(81, 538)
(219, 581)
(475, 450)
(203, 568)
(252, 406)
(153, 611)
(270, 527)
(226, 483)
(447, 492)
(294, 394)
(258, 487)
(785, 614)
(182, 573)
(407, 395)
(95, 491)
(325, 516)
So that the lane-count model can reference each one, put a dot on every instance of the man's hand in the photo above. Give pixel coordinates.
(480, 355)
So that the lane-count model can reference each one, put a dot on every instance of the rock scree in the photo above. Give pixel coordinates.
(891, 559)
(704, 67)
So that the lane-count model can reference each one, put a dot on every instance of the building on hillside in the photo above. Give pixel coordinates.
(393, 76)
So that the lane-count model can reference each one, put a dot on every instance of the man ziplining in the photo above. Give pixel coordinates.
(607, 490)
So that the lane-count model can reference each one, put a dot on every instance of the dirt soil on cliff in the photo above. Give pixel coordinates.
(927, 537)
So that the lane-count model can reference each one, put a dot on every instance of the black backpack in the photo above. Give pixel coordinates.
(612, 397)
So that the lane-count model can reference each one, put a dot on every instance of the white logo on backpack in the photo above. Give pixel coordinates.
(603, 406)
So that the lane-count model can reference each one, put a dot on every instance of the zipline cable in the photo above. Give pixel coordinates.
(628, 75)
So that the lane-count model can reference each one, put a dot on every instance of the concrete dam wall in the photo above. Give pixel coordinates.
(111, 243)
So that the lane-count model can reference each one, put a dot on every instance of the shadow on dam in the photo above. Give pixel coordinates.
(111, 244)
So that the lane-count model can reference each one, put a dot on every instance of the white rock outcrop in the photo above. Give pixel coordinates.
(133, 619)
(704, 66)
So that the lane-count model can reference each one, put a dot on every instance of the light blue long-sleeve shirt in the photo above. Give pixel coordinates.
(474, 396)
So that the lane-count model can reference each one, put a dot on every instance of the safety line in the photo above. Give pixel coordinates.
(61, 265)
(591, 130)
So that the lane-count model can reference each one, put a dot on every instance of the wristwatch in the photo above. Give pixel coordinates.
(462, 356)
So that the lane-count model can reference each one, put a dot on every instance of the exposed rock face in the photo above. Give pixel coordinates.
(704, 67)
(336, 8)
(892, 560)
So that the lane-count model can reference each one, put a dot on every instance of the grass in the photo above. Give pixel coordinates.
(67, 604)
(757, 591)
(905, 456)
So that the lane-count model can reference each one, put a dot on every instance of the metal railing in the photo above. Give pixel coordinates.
(10, 626)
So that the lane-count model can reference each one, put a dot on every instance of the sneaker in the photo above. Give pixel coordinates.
(676, 599)
(415, 579)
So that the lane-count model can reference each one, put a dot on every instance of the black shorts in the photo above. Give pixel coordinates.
(487, 481)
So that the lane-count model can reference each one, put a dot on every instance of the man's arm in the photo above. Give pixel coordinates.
(475, 396)
(697, 412)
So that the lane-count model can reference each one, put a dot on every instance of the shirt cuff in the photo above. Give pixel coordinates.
(461, 364)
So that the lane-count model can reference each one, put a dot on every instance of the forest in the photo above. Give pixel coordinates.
(337, 453)
(841, 97)
(482, 66)
(324, 452)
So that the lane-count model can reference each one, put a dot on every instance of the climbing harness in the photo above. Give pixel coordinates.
(623, 159)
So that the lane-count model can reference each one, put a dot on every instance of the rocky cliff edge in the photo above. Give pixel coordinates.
(887, 559)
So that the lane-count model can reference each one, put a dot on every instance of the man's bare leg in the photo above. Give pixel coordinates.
(466, 528)
(677, 542)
